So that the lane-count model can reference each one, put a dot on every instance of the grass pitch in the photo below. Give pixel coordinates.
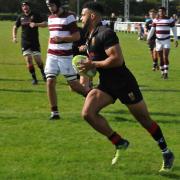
(32, 147)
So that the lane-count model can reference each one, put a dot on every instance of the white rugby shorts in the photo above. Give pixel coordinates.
(162, 44)
(30, 52)
(56, 65)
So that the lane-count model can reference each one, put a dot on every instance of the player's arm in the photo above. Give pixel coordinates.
(74, 32)
(39, 21)
(174, 30)
(70, 38)
(114, 59)
(150, 34)
(41, 24)
(146, 30)
(15, 29)
(14, 34)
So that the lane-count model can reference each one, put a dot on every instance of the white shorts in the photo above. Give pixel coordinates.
(30, 52)
(162, 44)
(56, 65)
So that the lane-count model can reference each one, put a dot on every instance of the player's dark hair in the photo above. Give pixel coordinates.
(163, 9)
(152, 10)
(56, 2)
(25, 2)
(94, 6)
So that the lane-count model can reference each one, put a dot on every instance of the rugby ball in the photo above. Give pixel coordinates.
(76, 63)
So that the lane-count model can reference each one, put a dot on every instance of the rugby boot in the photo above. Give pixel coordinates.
(168, 159)
(123, 146)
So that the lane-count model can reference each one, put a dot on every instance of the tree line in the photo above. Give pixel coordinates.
(116, 6)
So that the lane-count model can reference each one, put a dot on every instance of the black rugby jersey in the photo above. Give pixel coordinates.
(101, 39)
(29, 34)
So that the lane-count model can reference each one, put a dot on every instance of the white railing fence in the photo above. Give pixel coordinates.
(132, 27)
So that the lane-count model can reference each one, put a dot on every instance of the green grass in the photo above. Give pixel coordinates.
(32, 147)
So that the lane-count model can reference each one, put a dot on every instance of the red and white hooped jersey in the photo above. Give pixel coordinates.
(163, 27)
(61, 26)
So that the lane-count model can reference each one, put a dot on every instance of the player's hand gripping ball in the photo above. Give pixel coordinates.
(76, 61)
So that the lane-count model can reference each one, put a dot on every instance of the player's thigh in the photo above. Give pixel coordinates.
(36, 52)
(159, 45)
(51, 67)
(95, 101)
(65, 65)
(37, 58)
(166, 52)
(166, 44)
(28, 58)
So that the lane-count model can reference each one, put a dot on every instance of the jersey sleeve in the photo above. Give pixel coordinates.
(109, 39)
(72, 24)
(172, 22)
(18, 22)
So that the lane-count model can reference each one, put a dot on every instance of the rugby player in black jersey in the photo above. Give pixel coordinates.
(30, 21)
(115, 82)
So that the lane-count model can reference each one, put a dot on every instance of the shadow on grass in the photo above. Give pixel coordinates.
(13, 64)
(23, 90)
(29, 81)
(161, 90)
(8, 80)
(151, 113)
(2, 118)
(171, 175)
(117, 117)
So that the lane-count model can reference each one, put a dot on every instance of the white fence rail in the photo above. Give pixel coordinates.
(133, 27)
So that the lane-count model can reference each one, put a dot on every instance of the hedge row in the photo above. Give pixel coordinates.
(4, 17)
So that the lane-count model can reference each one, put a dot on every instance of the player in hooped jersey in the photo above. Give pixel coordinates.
(161, 26)
(115, 82)
(30, 21)
(151, 42)
(63, 31)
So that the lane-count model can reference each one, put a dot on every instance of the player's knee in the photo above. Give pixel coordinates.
(84, 114)
(87, 115)
(29, 59)
(51, 82)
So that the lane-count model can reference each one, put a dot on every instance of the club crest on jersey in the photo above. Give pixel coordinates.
(31, 18)
(131, 96)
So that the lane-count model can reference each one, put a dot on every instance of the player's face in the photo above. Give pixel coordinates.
(52, 8)
(161, 13)
(25, 8)
(152, 15)
(85, 18)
